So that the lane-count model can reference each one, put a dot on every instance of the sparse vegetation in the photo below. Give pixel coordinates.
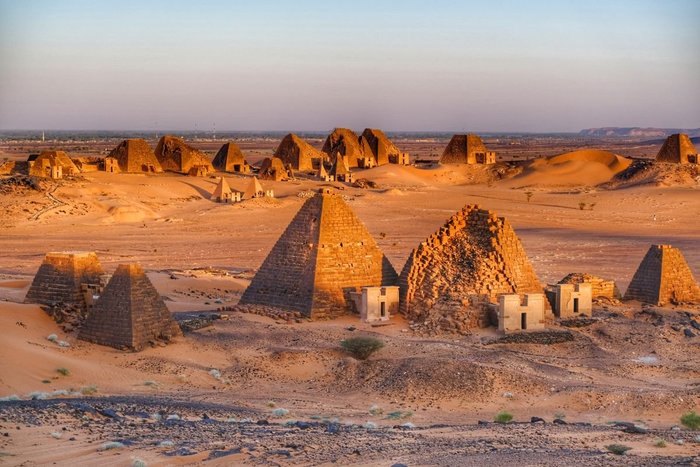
(618, 449)
(111, 445)
(52, 338)
(691, 420)
(591, 206)
(139, 463)
(559, 416)
(216, 374)
(88, 390)
(63, 371)
(528, 195)
(369, 426)
(56, 435)
(396, 415)
(280, 412)
(375, 410)
(581, 205)
(660, 443)
(362, 347)
(503, 417)
(271, 404)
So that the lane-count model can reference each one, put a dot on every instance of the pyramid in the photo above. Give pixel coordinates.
(346, 143)
(48, 159)
(130, 313)
(296, 152)
(135, 155)
(376, 143)
(254, 190)
(222, 192)
(475, 253)
(679, 149)
(272, 168)
(340, 167)
(175, 155)
(325, 253)
(60, 278)
(663, 277)
(467, 149)
(230, 159)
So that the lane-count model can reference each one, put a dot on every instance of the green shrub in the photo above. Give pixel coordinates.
(618, 449)
(691, 420)
(503, 417)
(362, 347)
(660, 443)
(88, 390)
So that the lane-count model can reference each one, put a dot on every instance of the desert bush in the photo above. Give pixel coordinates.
(503, 417)
(216, 374)
(56, 435)
(618, 449)
(369, 425)
(139, 463)
(280, 412)
(396, 415)
(528, 195)
(111, 445)
(13, 397)
(52, 338)
(63, 371)
(581, 205)
(691, 420)
(362, 347)
(375, 410)
(660, 443)
(88, 390)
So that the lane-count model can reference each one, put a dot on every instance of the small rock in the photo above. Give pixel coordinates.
(688, 333)
(537, 420)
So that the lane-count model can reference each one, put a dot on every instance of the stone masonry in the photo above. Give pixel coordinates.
(324, 254)
(376, 144)
(467, 149)
(136, 156)
(298, 154)
(599, 287)
(229, 158)
(177, 156)
(679, 149)
(346, 143)
(130, 313)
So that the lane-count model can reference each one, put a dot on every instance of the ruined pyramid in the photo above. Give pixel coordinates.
(475, 253)
(467, 149)
(663, 277)
(229, 158)
(129, 313)
(679, 149)
(374, 142)
(41, 166)
(324, 253)
(272, 168)
(346, 143)
(296, 152)
(135, 155)
(177, 156)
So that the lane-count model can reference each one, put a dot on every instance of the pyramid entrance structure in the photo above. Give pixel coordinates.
(324, 254)
(230, 159)
(663, 277)
(130, 313)
(471, 260)
(224, 194)
(678, 149)
(346, 143)
(135, 156)
(175, 155)
(467, 149)
(298, 154)
(376, 144)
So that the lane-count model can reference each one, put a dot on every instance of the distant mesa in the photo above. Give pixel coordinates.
(52, 164)
(635, 132)
(130, 313)
(324, 254)
(346, 143)
(663, 277)
(229, 158)
(467, 149)
(175, 155)
(272, 168)
(298, 154)
(134, 156)
(678, 149)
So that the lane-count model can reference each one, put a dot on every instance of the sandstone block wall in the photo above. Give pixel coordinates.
(599, 287)
(136, 156)
(678, 148)
(177, 156)
(297, 153)
(467, 149)
(229, 158)
(346, 143)
(573, 300)
(513, 317)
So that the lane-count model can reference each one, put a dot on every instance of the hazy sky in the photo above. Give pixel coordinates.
(312, 65)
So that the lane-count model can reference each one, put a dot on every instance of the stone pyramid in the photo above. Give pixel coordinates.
(51, 159)
(678, 148)
(376, 143)
(296, 152)
(175, 155)
(346, 143)
(135, 155)
(130, 313)
(325, 253)
(663, 277)
(230, 159)
(340, 167)
(60, 278)
(462, 149)
(475, 253)
(222, 191)
(272, 168)
(254, 189)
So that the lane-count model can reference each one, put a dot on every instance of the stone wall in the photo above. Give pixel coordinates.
(511, 313)
(599, 287)
(573, 300)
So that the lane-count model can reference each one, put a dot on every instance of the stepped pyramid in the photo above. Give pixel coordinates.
(475, 253)
(135, 155)
(663, 277)
(129, 313)
(230, 159)
(678, 148)
(376, 143)
(296, 152)
(325, 253)
(177, 156)
(467, 149)
(346, 143)
(60, 278)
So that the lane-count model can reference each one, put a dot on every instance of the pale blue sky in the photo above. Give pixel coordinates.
(312, 65)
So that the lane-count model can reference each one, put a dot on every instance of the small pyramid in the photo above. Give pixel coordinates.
(376, 143)
(222, 192)
(340, 166)
(230, 159)
(60, 278)
(130, 313)
(663, 277)
(346, 143)
(254, 190)
(41, 166)
(272, 168)
(135, 156)
(325, 253)
(175, 155)
(296, 152)
(475, 253)
(322, 172)
(467, 149)
(679, 149)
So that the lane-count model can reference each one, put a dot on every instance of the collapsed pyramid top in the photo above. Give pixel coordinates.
(466, 149)
(296, 152)
(346, 143)
(272, 168)
(229, 158)
(49, 159)
(324, 253)
(177, 156)
(663, 277)
(130, 313)
(376, 143)
(678, 148)
(474, 253)
(135, 155)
